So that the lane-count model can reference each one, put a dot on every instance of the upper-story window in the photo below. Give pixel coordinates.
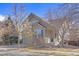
(33, 21)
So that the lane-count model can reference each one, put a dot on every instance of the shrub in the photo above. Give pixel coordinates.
(10, 39)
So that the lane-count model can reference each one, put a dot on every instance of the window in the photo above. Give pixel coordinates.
(39, 32)
(33, 22)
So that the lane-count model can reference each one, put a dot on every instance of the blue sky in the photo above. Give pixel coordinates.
(37, 8)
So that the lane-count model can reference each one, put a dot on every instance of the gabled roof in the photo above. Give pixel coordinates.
(30, 16)
(8, 19)
(40, 21)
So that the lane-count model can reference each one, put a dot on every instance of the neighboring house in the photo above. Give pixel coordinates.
(6, 27)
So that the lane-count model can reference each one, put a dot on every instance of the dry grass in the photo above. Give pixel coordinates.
(50, 51)
(53, 51)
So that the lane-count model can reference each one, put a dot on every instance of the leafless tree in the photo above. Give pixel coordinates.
(70, 10)
(18, 14)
